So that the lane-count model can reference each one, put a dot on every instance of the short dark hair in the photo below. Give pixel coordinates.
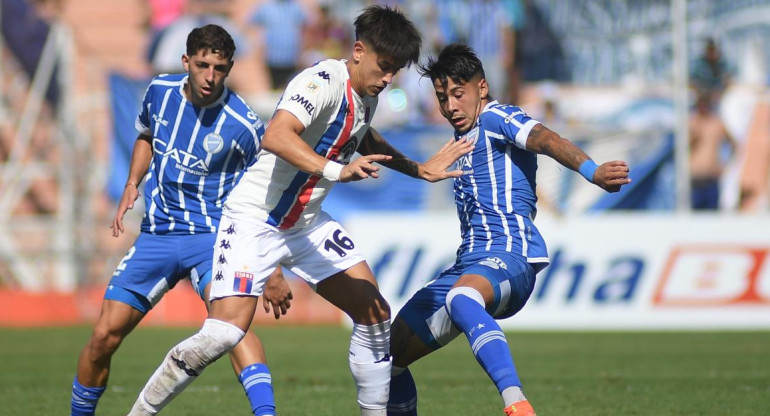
(391, 34)
(456, 61)
(211, 37)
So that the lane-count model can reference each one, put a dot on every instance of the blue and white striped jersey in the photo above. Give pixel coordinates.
(495, 197)
(199, 153)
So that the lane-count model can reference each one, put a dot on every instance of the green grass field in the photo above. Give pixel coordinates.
(575, 374)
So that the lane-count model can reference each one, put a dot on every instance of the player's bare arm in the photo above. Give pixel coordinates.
(610, 176)
(434, 170)
(140, 162)
(277, 294)
(282, 137)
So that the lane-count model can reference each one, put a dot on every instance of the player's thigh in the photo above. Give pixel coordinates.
(116, 320)
(511, 278)
(327, 258)
(324, 250)
(195, 261)
(244, 256)
(147, 271)
(355, 292)
(426, 315)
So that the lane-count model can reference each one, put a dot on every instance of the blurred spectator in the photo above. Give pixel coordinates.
(326, 37)
(165, 53)
(25, 28)
(539, 53)
(283, 22)
(710, 73)
(161, 13)
(708, 136)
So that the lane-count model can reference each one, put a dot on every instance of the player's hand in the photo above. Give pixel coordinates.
(130, 193)
(435, 169)
(277, 294)
(362, 168)
(611, 176)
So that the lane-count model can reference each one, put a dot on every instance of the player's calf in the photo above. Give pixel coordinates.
(184, 363)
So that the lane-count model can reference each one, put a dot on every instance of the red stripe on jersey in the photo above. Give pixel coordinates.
(307, 189)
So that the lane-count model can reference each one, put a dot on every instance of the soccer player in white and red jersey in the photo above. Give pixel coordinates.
(274, 217)
(196, 137)
(501, 249)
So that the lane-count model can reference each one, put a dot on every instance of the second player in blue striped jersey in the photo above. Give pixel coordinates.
(199, 153)
(501, 249)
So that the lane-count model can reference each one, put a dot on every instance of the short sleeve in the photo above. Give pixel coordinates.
(310, 94)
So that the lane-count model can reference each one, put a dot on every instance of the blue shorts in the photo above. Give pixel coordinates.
(512, 278)
(156, 263)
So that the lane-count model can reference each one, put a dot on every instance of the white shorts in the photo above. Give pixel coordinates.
(246, 252)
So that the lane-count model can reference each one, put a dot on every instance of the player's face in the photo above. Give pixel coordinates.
(207, 73)
(461, 104)
(373, 73)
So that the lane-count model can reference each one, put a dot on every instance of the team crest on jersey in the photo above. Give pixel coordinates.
(312, 87)
(494, 263)
(213, 143)
(243, 282)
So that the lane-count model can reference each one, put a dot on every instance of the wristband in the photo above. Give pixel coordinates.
(587, 170)
(332, 171)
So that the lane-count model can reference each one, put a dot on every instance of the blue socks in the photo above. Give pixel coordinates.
(487, 340)
(258, 385)
(403, 394)
(84, 399)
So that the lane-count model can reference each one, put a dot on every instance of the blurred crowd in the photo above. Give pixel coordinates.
(276, 38)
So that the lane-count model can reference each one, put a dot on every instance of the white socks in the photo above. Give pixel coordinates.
(185, 362)
(370, 364)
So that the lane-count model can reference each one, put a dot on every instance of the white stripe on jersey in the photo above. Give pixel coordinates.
(180, 178)
(156, 191)
(493, 181)
(483, 216)
(522, 234)
(174, 133)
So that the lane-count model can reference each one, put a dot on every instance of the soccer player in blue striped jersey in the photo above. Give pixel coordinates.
(501, 249)
(196, 137)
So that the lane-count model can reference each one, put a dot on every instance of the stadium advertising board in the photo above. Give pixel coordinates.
(616, 271)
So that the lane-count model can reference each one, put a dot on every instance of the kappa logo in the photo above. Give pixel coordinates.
(324, 75)
(213, 143)
(494, 263)
(159, 120)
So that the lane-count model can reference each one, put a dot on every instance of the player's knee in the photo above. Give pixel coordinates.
(370, 312)
(463, 291)
(213, 340)
(104, 342)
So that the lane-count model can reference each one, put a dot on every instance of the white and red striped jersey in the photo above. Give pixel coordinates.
(335, 119)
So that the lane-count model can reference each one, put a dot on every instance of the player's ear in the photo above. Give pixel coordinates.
(186, 62)
(358, 51)
(483, 89)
